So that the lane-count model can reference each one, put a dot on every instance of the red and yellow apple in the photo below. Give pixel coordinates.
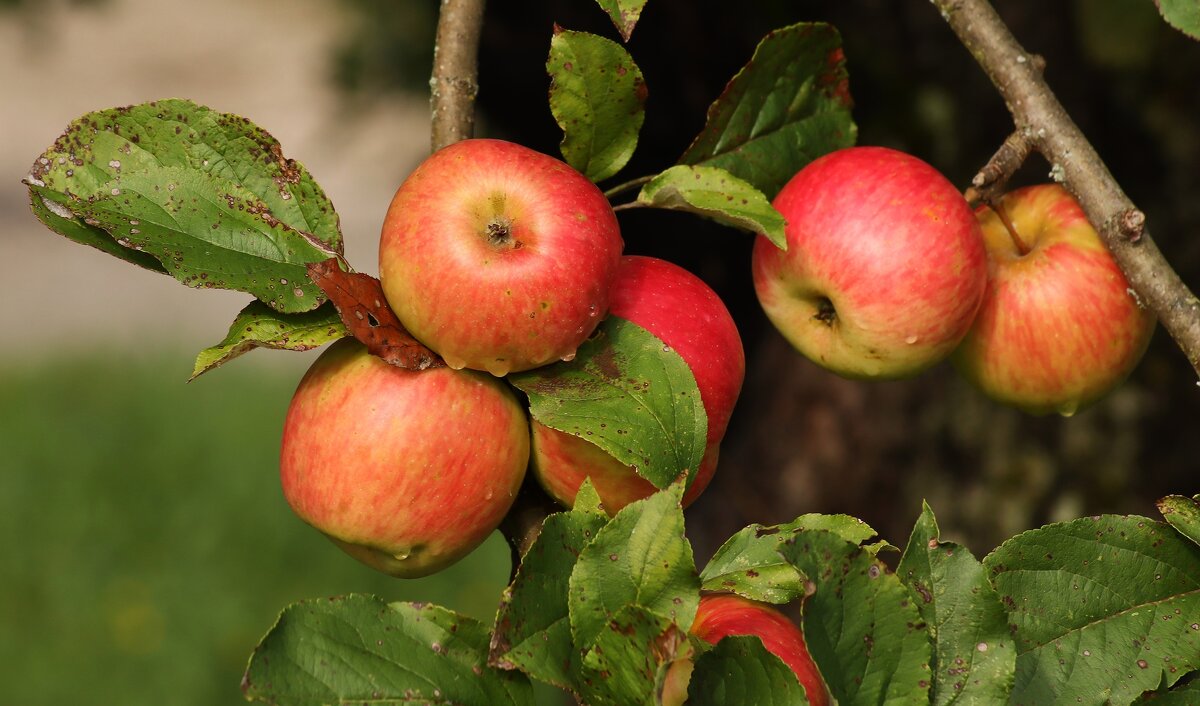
(683, 312)
(406, 471)
(884, 268)
(721, 615)
(498, 257)
(1059, 326)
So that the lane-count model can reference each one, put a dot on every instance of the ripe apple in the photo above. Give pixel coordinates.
(682, 311)
(498, 257)
(1059, 326)
(721, 615)
(407, 471)
(885, 266)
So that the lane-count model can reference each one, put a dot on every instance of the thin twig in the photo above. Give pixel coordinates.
(455, 71)
(1043, 120)
(995, 174)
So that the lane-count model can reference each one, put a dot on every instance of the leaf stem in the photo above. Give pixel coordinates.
(627, 186)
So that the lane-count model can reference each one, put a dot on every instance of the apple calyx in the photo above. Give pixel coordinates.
(500, 233)
(826, 312)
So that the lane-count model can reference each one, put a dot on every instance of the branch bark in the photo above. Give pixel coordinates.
(1040, 117)
(455, 71)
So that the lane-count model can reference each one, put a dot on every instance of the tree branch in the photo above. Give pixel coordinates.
(455, 69)
(1043, 121)
(990, 180)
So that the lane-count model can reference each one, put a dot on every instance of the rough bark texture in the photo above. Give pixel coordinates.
(455, 68)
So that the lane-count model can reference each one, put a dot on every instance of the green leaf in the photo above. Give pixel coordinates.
(640, 558)
(789, 105)
(1183, 15)
(628, 662)
(1104, 608)
(61, 220)
(628, 393)
(260, 326)
(861, 626)
(740, 671)
(361, 649)
(207, 195)
(974, 654)
(749, 564)
(1183, 514)
(1184, 694)
(715, 193)
(624, 14)
(533, 629)
(597, 96)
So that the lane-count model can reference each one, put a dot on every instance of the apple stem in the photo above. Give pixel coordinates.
(1022, 247)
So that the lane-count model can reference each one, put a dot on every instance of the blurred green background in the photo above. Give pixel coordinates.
(148, 546)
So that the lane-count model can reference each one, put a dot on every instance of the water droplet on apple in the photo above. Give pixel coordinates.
(592, 312)
(455, 363)
(499, 367)
(1068, 409)
(666, 349)
(568, 357)
(910, 340)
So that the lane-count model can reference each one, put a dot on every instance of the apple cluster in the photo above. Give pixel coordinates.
(888, 271)
(500, 259)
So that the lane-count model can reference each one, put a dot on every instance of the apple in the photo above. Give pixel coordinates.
(407, 471)
(884, 268)
(720, 615)
(1059, 326)
(683, 312)
(498, 257)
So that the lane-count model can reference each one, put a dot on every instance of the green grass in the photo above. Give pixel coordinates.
(146, 544)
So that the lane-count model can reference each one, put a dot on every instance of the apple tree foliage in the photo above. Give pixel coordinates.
(1101, 610)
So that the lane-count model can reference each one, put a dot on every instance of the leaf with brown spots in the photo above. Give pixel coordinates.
(640, 558)
(206, 197)
(624, 14)
(1182, 513)
(260, 326)
(533, 629)
(366, 314)
(718, 195)
(787, 106)
(862, 628)
(1102, 608)
(358, 649)
(974, 656)
(628, 393)
(597, 96)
